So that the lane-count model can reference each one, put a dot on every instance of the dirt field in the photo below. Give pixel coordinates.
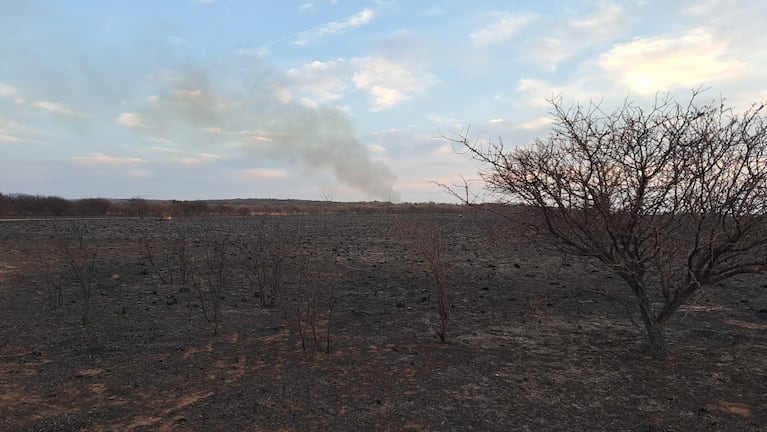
(535, 342)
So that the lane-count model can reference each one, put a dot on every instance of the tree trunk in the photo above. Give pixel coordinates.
(656, 334)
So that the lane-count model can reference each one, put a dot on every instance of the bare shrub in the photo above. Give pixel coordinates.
(168, 255)
(53, 283)
(180, 249)
(81, 255)
(213, 279)
(671, 198)
(429, 242)
(310, 302)
(159, 258)
(266, 263)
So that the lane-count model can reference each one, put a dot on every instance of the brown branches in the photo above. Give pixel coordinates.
(674, 195)
(428, 242)
(81, 255)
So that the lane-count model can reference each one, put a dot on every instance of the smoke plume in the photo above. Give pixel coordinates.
(239, 102)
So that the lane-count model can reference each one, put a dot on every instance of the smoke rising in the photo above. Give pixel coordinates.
(240, 103)
(138, 85)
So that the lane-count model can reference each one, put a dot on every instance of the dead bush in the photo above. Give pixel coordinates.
(81, 254)
(429, 242)
(310, 302)
(213, 277)
(266, 263)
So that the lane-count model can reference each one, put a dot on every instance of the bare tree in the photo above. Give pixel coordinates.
(671, 198)
(428, 242)
(265, 263)
(310, 302)
(214, 278)
(81, 255)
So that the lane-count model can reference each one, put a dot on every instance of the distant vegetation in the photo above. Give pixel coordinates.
(24, 205)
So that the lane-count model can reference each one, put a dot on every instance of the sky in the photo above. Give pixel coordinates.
(332, 99)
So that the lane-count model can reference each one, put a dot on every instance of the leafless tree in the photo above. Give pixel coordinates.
(265, 261)
(81, 255)
(167, 252)
(214, 278)
(310, 302)
(429, 243)
(672, 198)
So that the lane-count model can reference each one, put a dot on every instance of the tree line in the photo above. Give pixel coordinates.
(27, 205)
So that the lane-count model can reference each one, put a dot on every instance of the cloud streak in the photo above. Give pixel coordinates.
(58, 108)
(335, 27)
(105, 160)
(265, 173)
(505, 25)
(9, 138)
(130, 120)
(6, 90)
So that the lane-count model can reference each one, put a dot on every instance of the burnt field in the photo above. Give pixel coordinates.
(186, 330)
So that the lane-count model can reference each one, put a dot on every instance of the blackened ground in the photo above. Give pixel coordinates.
(536, 341)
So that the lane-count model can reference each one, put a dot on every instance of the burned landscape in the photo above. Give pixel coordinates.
(333, 322)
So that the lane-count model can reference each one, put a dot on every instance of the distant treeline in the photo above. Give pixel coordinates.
(24, 205)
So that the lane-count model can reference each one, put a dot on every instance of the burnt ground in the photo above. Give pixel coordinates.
(535, 342)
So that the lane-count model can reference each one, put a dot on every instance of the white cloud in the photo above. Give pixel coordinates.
(538, 123)
(130, 120)
(187, 159)
(336, 27)
(6, 90)
(9, 138)
(377, 149)
(567, 39)
(309, 103)
(306, 7)
(549, 51)
(12, 132)
(324, 81)
(196, 159)
(222, 132)
(539, 91)
(265, 173)
(361, 18)
(450, 122)
(282, 94)
(160, 140)
(649, 65)
(387, 83)
(609, 20)
(445, 149)
(190, 95)
(101, 159)
(505, 26)
(707, 7)
(58, 108)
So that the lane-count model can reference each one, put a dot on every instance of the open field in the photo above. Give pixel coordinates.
(535, 341)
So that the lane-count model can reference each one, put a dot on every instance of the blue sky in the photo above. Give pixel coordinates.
(196, 99)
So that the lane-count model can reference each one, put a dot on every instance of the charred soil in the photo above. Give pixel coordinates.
(536, 341)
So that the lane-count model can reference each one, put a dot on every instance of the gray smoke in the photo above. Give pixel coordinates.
(197, 105)
(239, 102)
